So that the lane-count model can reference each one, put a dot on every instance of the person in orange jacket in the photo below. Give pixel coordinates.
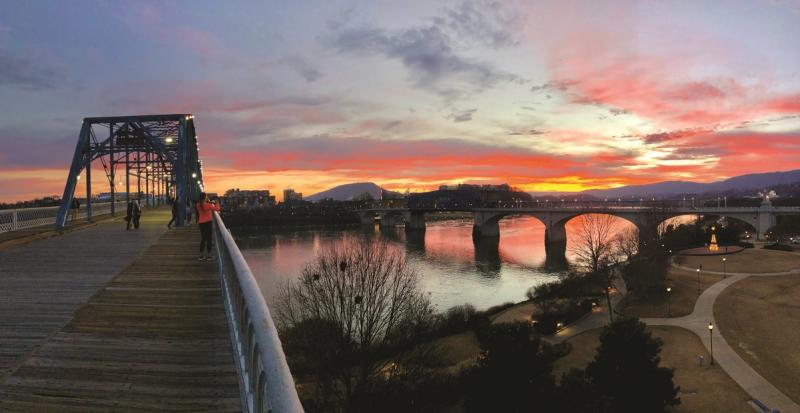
(205, 209)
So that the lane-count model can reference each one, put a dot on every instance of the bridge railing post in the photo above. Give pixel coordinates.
(14, 220)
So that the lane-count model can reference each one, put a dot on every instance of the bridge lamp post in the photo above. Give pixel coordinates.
(711, 339)
(669, 302)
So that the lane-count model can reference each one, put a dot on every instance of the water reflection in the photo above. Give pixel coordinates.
(487, 256)
(453, 269)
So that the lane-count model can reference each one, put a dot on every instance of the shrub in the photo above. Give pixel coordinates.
(779, 247)
(745, 244)
(456, 319)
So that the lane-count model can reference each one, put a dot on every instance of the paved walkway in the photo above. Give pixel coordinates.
(697, 322)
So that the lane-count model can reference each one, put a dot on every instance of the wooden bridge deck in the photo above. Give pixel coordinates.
(153, 337)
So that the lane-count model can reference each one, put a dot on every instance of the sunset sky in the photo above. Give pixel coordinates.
(556, 95)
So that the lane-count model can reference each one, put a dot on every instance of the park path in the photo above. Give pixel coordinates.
(697, 322)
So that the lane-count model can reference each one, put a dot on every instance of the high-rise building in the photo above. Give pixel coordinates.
(290, 195)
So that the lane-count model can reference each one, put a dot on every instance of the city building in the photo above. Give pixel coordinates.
(248, 198)
(290, 195)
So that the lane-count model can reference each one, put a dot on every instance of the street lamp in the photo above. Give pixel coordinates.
(698, 281)
(669, 302)
(711, 338)
(724, 267)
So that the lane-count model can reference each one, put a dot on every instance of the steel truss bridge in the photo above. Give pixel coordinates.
(159, 151)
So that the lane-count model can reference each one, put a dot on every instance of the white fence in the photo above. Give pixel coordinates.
(16, 219)
(265, 382)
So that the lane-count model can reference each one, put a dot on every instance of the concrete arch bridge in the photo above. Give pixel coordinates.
(486, 219)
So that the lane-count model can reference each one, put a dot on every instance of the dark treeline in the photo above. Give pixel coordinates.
(294, 215)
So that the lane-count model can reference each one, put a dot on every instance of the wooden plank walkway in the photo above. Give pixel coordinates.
(43, 282)
(154, 338)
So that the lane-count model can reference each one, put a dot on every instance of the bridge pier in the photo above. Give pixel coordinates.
(367, 219)
(766, 219)
(555, 240)
(415, 220)
(487, 255)
(485, 224)
(390, 220)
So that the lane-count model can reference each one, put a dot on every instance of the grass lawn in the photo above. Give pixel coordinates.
(459, 350)
(705, 389)
(683, 295)
(760, 319)
(519, 312)
(755, 260)
(684, 283)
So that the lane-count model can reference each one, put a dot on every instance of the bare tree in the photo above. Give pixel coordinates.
(593, 247)
(370, 294)
(594, 250)
(626, 244)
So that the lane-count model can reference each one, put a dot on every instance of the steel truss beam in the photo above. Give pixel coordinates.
(160, 150)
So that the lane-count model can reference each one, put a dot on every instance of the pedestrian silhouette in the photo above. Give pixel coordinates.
(174, 203)
(76, 205)
(205, 210)
(134, 213)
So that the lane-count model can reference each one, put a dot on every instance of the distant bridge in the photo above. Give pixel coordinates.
(554, 216)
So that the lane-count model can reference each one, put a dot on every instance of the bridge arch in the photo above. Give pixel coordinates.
(486, 224)
(749, 220)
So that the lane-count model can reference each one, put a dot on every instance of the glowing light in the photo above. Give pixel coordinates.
(78, 177)
(194, 175)
(169, 139)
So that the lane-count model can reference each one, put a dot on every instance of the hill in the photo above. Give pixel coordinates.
(749, 182)
(348, 192)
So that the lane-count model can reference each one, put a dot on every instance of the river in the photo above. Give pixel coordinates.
(453, 270)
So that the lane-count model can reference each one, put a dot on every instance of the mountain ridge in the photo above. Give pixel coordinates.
(756, 181)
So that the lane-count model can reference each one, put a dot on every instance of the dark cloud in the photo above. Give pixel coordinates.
(304, 68)
(530, 132)
(429, 53)
(462, 115)
(482, 23)
(25, 72)
(559, 86)
(663, 137)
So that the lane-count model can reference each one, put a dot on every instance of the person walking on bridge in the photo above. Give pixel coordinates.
(76, 205)
(134, 213)
(205, 209)
(174, 203)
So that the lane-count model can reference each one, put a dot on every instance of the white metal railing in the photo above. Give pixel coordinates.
(265, 382)
(23, 218)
